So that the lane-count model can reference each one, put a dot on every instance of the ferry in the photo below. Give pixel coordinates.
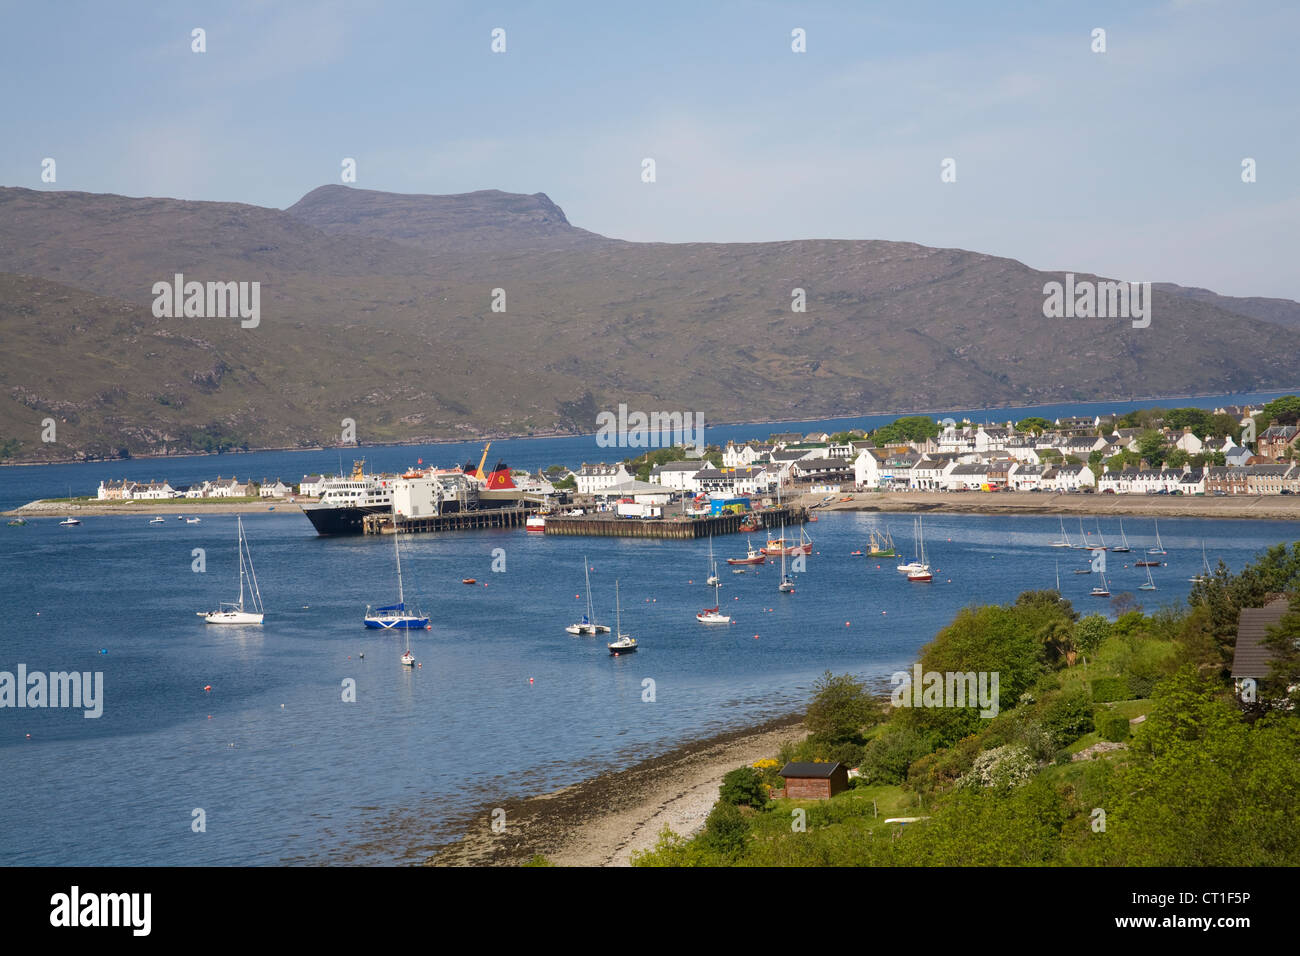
(345, 502)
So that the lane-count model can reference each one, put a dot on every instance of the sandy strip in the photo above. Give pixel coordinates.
(165, 506)
(601, 822)
(1259, 507)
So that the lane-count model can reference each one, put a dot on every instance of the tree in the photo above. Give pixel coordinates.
(1283, 642)
(1033, 424)
(1151, 446)
(1284, 410)
(1090, 633)
(1197, 419)
(909, 428)
(1176, 458)
(840, 708)
(1094, 460)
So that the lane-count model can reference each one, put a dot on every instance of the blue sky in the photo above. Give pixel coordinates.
(1126, 163)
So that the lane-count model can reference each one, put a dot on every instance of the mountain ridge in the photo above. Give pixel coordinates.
(380, 309)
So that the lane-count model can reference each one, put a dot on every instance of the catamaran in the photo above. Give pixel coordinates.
(625, 644)
(233, 612)
(754, 555)
(1159, 548)
(588, 626)
(395, 615)
(1124, 548)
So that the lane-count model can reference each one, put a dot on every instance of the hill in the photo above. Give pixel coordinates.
(378, 307)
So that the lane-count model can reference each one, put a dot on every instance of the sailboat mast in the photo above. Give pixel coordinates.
(401, 598)
(239, 523)
(586, 573)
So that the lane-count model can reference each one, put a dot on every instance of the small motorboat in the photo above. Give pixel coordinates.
(159, 520)
(469, 581)
(855, 554)
(737, 570)
(193, 520)
(69, 522)
(535, 523)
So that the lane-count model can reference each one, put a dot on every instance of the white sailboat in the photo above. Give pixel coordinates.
(1159, 548)
(922, 572)
(1103, 589)
(1206, 573)
(714, 615)
(234, 613)
(787, 583)
(713, 580)
(1150, 585)
(625, 643)
(588, 626)
(910, 567)
(1123, 548)
(1064, 541)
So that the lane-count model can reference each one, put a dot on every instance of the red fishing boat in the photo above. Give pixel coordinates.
(754, 556)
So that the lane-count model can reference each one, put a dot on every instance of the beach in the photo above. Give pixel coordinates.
(1256, 507)
(603, 821)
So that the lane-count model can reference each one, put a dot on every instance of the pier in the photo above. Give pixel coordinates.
(456, 521)
(600, 525)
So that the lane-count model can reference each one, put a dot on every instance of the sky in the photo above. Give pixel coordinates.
(1126, 163)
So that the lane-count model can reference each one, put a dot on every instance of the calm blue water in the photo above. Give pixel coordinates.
(20, 485)
(286, 771)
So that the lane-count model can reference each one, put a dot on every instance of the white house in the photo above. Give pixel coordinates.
(227, 488)
(274, 489)
(679, 475)
(866, 468)
(311, 485)
(593, 478)
(1068, 478)
(150, 490)
(1025, 477)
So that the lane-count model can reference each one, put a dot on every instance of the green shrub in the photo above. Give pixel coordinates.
(743, 785)
(1108, 689)
(1113, 727)
(725, 831)
(1068, 717)
(886, 758)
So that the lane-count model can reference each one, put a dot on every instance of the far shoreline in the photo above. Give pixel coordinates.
(504, 436)
(989, 504)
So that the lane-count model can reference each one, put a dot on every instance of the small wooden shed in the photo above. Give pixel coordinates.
(814, 781)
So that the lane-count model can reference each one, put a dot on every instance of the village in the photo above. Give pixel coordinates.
(1071, 455)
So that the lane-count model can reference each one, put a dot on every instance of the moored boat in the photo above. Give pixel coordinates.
(234, 612)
